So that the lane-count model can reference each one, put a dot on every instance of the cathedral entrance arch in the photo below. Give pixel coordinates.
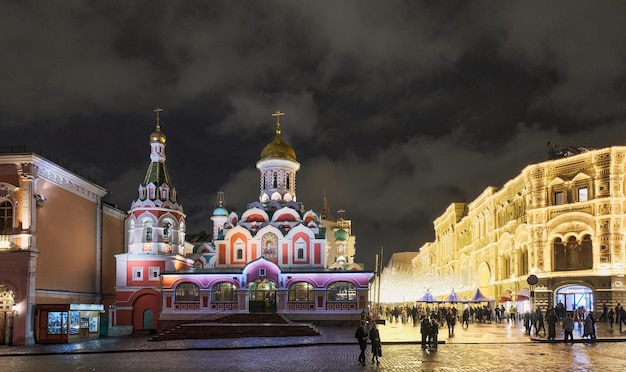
(575, 296)
(262, 296)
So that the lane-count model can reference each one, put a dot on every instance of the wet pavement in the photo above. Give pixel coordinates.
(481, 347)
(390, 333)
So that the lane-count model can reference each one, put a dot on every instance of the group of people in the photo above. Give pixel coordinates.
(430, 332)
(367, 330)
(617, 315)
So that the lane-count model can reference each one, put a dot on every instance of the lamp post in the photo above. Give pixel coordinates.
(532, 280)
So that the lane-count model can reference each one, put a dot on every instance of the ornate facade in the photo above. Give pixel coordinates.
(561, 220)
(273, 257)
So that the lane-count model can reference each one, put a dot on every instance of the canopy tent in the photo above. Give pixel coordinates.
(453, 298)
(479, 297)
(506, 296)
(427, 297)
(523, 295)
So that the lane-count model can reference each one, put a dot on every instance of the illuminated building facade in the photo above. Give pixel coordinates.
(57, 241)
(273, 257)
(561, 220)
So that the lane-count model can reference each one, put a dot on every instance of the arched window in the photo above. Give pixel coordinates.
(523, 259)
(147, 232)
(224, 292)
(167, 232)
(341, 291)
(275, 180)
(573, 255)
(301, 291)
(187, 292)
(288, 180)
(6, 218)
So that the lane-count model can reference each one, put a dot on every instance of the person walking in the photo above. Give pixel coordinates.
(466, 316)
(622, 317)
(434, 333)
(589, 329)
(361, 337)
(376, 345)
(568, 327)
(552, 319)
(540, 323)
(611, 317)
(451, 321)
(424, 329)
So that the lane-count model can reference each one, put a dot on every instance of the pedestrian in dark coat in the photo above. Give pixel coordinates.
(552, 319)
(434, 333)
(424, 328)
(376, 345)
(361, 337)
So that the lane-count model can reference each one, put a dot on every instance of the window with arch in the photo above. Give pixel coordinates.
(341, 291)
(572, 255)
(301, 291)
(288, 180)
(147, 231)
(523, 262)
(6, 218)
(275, 180)
(187, 292)
(224, 292)
(167, 232)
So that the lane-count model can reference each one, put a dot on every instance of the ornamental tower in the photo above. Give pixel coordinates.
(156, 223)
(278, 167)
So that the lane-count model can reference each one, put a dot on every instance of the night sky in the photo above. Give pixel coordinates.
(395, 108)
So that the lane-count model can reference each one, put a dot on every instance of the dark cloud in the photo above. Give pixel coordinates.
(395, 109)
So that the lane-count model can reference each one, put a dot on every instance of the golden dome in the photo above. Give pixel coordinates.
(278, 148)
(157, 136)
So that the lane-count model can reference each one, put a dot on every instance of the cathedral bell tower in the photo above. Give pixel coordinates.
(278, 167)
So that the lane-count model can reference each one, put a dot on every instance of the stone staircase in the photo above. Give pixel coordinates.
(239, 325)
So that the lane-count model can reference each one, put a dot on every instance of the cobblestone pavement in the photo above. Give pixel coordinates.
(481, 347)
(397, 357)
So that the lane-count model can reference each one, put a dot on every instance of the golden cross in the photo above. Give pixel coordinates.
(158, 110)
(278, 114)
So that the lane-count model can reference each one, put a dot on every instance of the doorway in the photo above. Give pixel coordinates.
(147, 319)
(262, 297)
(575, 296)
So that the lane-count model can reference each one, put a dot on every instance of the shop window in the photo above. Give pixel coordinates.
(341, 291)
(301, 291)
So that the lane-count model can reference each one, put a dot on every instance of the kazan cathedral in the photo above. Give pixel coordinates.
(275, 257)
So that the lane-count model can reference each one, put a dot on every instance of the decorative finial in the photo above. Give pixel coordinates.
(340, 214)
(278, 114)
(157, 111)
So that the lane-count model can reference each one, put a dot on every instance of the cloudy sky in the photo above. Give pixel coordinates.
(395, 109)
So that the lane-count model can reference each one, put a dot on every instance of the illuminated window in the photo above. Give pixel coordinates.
(559, 198)
(6, 218)
(341, 291)
(187, 292)
(573, 255)
(224, 292)
(301, 291)
(583, 194)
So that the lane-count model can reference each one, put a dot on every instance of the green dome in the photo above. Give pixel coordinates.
(342, 235)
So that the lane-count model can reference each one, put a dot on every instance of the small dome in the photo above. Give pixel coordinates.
(341, 235)
(157, 136)
(220, 211)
